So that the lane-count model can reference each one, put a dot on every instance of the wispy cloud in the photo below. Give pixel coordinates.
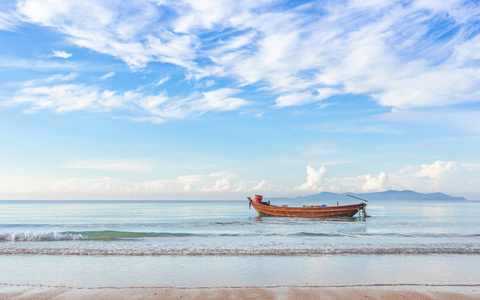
(68, 97)
(61, 54)
(55, 78)
(219, 100)
(107, 75)
(163, 80)
(196, 104)
(48, 65)
(113, 28)
(402, 55)
(463, 119)
(46, 94)
(8, 19)
(297, 99)
(406, 55)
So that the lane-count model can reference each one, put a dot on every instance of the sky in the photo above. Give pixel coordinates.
(197, 99)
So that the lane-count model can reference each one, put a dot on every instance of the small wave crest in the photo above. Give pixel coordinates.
(39, 236)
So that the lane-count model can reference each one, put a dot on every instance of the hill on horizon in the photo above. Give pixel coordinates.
(387, 195)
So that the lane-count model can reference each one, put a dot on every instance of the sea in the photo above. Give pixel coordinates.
(224, 243)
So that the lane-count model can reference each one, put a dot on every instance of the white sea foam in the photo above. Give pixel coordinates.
(129, 248)
(38, 236)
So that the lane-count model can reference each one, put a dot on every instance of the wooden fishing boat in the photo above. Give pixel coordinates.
(265, 209)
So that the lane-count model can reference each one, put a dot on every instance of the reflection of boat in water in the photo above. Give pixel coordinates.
(265, 209)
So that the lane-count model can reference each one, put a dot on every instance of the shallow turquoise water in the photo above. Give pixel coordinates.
(223, 243)
(230, 228)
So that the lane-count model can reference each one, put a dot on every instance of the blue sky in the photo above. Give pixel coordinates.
(196, 99)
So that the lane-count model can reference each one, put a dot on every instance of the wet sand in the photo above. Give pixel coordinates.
(237, 277)
(341, 292)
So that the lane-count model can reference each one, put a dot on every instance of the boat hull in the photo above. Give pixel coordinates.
(266, 210)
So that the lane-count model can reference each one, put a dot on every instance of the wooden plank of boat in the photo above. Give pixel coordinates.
(264, 209)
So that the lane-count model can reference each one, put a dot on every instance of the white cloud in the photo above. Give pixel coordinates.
(427, 178)
(196, 15)
(187, 185)
(163, 80)
(61, 77)
(248, 187)
(433, 171)
(295, 99)
(68, 97)
(315, 179)
(446, 85)
(444, 176)
(113, 28)
(381, 48)
(51, 65)
(220, 100)
(55, 78)
(46, 95)
(375, 183)
(436, 170)
(209, 83)
(8, 19)
(304, 98)
(394, 52)
(262, 186)
(179, 108)
(436, 177)
(107, 75)
(61, 54)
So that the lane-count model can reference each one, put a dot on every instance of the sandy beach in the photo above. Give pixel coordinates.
(236, 277)
(351, 292)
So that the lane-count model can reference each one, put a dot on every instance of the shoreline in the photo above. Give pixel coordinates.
(373, 285)
(380, 291)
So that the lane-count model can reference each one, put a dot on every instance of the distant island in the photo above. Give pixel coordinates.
(387, 195)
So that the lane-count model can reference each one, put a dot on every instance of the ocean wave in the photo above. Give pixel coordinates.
(39, 236)
(103, 235)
